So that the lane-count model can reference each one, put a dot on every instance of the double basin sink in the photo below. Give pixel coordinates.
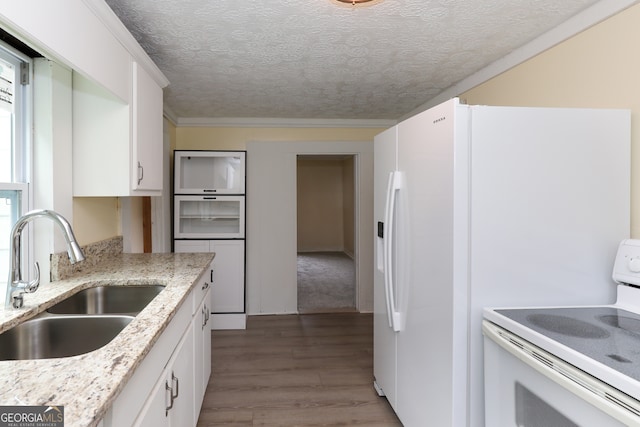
(83, 322)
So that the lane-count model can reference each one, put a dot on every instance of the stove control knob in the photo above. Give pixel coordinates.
(634, 265)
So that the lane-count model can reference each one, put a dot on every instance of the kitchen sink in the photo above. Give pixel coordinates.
(48, 336)
(108, 300)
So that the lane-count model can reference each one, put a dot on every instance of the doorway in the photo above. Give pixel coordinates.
(326, 273)
(272, 216)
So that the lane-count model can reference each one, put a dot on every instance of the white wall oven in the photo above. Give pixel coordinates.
(567, 366)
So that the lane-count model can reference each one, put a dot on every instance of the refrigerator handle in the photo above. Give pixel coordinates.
(393, 187)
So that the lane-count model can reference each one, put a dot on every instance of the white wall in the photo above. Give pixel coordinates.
(271, 222)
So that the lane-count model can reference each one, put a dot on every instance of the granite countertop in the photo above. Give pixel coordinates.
(87, 385)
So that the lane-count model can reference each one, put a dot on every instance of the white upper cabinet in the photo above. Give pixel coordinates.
(73, 34)
(209, 172)
(117, 147)
(146, 131)
(117, 92)
(101, 135)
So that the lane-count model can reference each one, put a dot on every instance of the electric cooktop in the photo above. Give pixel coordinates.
(606, 334)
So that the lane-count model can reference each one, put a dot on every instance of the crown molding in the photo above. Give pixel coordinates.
(169, 114)
(254, 122)
(589, 17)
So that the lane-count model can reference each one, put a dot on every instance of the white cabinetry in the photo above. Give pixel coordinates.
(146, 131)
(201, 349)
(227, 277)
(207, 172)
(73, 34)
(171, 402)
(213, 217)
(209, 216)
(117, 147)
(168, 387)
(117, 93)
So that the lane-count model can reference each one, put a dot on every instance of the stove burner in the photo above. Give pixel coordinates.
(568, 326)
(627, 323)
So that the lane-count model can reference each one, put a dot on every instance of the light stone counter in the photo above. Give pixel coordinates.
(87, 385)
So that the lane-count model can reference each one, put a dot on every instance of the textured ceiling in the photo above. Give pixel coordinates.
(316, 59)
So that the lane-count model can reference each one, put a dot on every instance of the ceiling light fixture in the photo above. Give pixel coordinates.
(356, 3)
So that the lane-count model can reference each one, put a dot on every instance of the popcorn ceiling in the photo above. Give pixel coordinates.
(314, 59)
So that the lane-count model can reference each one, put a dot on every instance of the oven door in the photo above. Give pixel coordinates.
(526, 386)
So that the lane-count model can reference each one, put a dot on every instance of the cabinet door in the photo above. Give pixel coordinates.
(202, 353)
(213, 217)
(146, 131)
(209, 172)
(155, 412)
(227, 292)
(227, 272)
(206, 346)
(101, 148)
(180, 376)
(171, 403)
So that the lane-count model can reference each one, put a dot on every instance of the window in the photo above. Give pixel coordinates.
(14, 147)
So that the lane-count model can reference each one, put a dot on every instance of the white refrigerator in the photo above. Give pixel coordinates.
(486, 206)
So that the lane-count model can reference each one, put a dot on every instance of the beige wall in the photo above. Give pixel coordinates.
(222, 138)
(96, 219)
(325, 204)
(598, 68)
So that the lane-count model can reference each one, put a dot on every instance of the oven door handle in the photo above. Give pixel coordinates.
(606, 398)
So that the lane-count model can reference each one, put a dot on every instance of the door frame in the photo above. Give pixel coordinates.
(272, 225)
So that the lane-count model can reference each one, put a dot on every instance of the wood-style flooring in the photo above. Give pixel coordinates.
(295, 370)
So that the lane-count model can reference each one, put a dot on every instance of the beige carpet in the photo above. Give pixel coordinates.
(326, 282)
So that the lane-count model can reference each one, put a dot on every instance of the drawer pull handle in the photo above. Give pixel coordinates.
(167, 388)
(140, 173)
(176, 381)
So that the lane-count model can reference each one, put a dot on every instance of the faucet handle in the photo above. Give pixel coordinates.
(17, 301)
(32, 286)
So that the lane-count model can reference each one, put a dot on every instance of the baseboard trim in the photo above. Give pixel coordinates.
(228, 321)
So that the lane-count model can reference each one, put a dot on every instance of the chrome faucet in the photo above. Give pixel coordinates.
(16, 286)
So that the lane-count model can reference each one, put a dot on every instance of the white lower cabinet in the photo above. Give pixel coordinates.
(201, 351)
(227, 300)
(168, 387)
(171, 402)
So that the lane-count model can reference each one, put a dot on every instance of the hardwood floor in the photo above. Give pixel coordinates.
(306, 370)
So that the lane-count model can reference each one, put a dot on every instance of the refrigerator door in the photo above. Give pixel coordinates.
(426, 357)
(384, 338)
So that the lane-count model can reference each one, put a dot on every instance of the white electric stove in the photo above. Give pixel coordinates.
(567, 366)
